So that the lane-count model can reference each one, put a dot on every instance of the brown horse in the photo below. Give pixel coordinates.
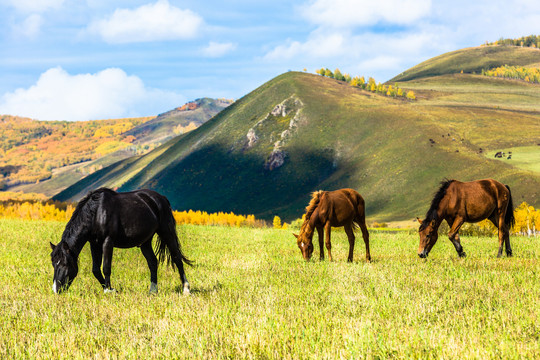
(458, 202)
(344, 207)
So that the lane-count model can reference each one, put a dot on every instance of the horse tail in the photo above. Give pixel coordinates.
(509, 218)
(360, 218)
(168, 238)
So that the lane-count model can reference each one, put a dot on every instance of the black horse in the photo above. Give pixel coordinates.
(108, 219)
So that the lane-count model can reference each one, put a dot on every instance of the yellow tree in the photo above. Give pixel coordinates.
(277, 222)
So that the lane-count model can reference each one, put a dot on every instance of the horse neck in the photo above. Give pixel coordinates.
(308, 231)
(76, 240)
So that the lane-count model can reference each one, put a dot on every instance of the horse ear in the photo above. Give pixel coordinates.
(296, 236)
(52, 245)
(419, 220)
(65, 246)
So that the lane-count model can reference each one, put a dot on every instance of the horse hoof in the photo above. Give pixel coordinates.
(186, 289)
(462, 254)
(109, 291)
(153, 289)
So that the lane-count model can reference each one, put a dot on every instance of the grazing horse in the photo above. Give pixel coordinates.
(107, 219)
(344, 207)
(458, 202)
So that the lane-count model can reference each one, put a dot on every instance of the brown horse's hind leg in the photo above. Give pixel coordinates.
(504, 233)
(350, 235)
(328, 229)
(453, 235)
(365, 234)
(321, 242)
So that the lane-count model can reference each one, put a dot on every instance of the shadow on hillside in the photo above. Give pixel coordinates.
(215, 179)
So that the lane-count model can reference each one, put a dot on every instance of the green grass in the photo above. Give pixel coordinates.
(524, 157)
(471, 60)
(254, 297)
(345, 137)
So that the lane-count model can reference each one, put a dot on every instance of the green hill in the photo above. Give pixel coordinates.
(299, 132)
(471, 60)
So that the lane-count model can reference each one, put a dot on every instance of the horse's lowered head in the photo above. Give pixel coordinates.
(65, 267)
(428, 237)
(305, 245)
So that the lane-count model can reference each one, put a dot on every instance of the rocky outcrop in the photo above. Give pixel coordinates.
(252, 138)
(290, 107)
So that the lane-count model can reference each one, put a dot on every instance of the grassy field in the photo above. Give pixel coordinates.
(525, 157)
(254, 297)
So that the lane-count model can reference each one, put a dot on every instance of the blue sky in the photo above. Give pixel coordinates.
(97, 59)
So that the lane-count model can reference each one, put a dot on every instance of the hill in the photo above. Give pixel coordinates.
(299, 132)
(55, 154)
(471, 60)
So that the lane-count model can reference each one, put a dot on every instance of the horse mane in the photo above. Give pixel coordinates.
(84, 213)
(439, 195)
(313, 203)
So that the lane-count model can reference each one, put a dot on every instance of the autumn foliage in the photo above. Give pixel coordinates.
(30, 149)
(531, 75)
(33, 208)
(369, 85)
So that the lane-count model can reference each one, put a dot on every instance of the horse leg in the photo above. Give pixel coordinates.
(361, 220)
(350, 235)
(321, 242)
(494, 218)
(453, 235)
(97, 255)
(152, 261)
(327, 229)
(107, 263)
(171, 240)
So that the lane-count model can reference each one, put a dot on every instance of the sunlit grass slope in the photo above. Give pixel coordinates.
(471, 60)
(254, 297)
(393, 151)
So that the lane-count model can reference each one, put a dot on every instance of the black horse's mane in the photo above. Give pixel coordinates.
(83, 216)
(432, 212)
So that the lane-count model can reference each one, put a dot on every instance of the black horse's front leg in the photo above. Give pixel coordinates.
(97, 255)
(107, 263)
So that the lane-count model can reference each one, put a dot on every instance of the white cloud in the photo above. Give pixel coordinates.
(215, 49)
(110, 93)
(350, 13)
(152, 22)
(30, 27)
(319, 45)
(33, 6)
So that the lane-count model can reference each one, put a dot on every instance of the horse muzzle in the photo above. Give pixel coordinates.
(423, 254)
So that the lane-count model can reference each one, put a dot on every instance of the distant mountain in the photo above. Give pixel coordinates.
(69, 151)
(299, 132)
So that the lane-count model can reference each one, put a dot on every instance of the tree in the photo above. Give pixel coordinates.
(277, 222)
(410, 95)
(328, 73)
(338, 75)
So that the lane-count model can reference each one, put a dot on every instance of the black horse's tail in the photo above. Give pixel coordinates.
(509, 216)
(168, 238)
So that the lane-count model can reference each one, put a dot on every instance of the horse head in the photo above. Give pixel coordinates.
(428, 237)
(305, 245)
(65, 267)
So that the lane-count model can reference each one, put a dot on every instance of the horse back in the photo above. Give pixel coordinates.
(131, 215)
(340, 206)
(476, 200)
